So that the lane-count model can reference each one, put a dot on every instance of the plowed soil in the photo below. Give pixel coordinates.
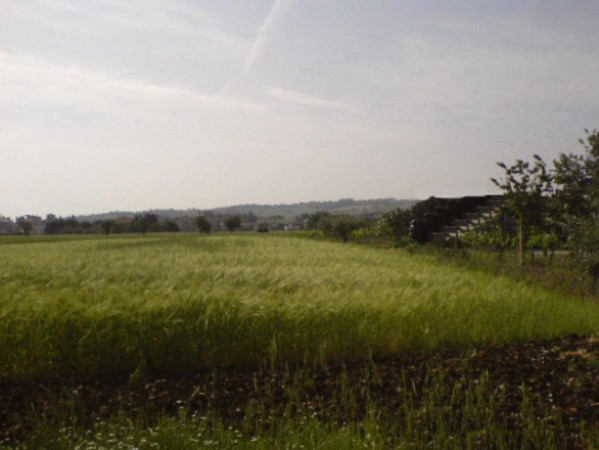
(560, 376)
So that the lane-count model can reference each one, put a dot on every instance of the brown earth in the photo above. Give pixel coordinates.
(560, 376)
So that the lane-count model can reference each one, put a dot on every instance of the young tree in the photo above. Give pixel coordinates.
(204, 226)
(525, 188)
(232, 223)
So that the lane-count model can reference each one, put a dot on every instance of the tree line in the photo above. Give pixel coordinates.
(555, 206)
(141, 223)
(544, 207)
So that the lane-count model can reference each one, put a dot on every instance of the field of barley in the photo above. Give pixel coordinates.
(175, 304)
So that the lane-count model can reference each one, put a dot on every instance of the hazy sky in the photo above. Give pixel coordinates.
(137, 104)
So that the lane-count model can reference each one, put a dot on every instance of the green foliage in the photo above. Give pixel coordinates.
(558, 205)
(203, 224)
(171, 227)
(341, 227)
(316, 234)
(25, 225)
(320, 220)
(526, 188)
(70, 225)
(396, 223)
(577, 178)
(547, 242)
(344, 225)
(492, 239)
(140, 224)
(263, 227)
(583, 241)
(363, 235)
(107, 226)
(147, 223)
(232, 223)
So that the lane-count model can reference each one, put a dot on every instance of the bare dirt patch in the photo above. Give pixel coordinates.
(559, 377)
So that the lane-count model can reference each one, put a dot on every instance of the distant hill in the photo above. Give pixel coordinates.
(343, 206)
(349, 206)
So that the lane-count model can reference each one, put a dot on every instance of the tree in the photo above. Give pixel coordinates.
(69, 225)
(171, 226)
(320, 220)
(232, 223)
(577, 181)
(54, 226)
(340, 226)
(140, 224)
(25, 225)
(525, 188)
(107, 226)
(204, 226)
(86, 226)
(263, 227)
(396, 223)
(344, 225)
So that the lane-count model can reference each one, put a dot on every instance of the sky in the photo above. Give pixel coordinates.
(143, 104)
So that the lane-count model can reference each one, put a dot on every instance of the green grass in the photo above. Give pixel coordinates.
(172, 304)
(95, 307)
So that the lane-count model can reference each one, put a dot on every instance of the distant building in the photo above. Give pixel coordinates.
(7, 226)
(37, 222)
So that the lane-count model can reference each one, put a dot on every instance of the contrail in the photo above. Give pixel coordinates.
(277, 9)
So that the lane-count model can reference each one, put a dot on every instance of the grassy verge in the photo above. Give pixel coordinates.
(562, 273)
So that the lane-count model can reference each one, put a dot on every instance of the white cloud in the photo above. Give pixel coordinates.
(177, 42)
(303, 99)
(458, 72)
(30, 82)
(264, 34)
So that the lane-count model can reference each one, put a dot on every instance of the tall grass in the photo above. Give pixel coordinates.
(178, 303)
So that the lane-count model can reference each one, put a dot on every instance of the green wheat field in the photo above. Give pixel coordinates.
(170, 305)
